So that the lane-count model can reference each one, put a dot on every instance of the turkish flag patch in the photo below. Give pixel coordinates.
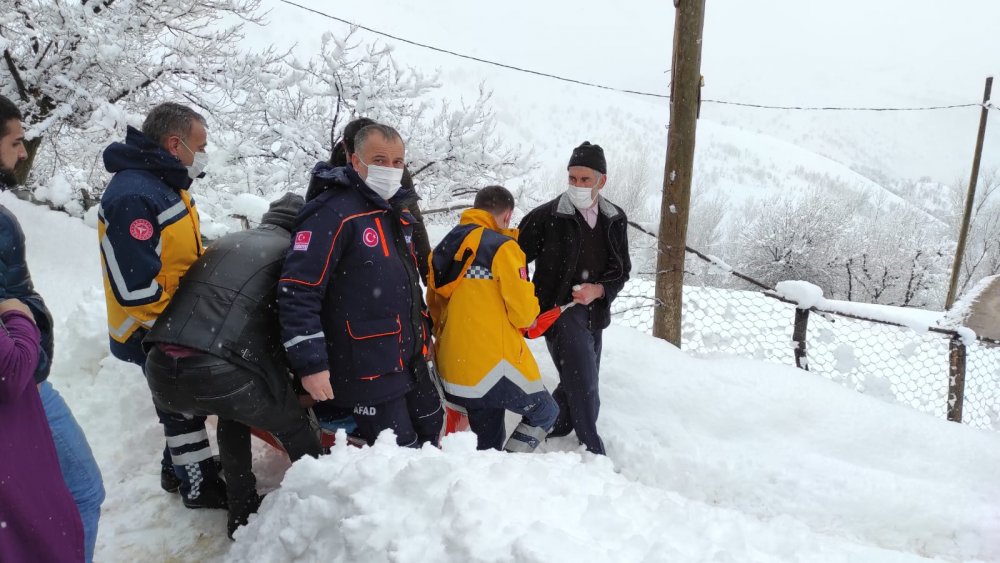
(524, 273)
(141, 229)
(370, 238)
(302, 239)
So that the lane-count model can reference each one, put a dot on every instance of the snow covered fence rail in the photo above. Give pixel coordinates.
(898, 354)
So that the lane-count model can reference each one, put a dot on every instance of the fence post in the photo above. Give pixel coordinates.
(799, 338)
(956, 378)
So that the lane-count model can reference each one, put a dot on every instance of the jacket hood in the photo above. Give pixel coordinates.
(326, 176)
(452, 257)
(457, 250)
(138, 152)
(485, 219)
(479, 218)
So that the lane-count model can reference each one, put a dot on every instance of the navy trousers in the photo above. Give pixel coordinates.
(575, 347)
(537, 409)
(416, 418)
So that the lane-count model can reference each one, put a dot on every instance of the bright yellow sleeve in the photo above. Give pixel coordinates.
(510, 268)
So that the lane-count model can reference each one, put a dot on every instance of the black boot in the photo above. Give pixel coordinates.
(240, 511)
(169, 481)
(211, 494)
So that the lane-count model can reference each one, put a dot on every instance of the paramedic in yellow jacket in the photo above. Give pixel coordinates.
(480, 299)
(149, 237)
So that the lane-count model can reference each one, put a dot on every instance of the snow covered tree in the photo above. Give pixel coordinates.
(78, 64)
(632, 182)
(282, 123)
(896, 255)
(794, 237)
(982, 250)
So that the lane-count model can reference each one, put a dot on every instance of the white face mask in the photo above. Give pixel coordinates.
(582, 198)
(384, 180)
(197, 168)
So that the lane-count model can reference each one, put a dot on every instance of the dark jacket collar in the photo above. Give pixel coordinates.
(326, 176)
(138, 152)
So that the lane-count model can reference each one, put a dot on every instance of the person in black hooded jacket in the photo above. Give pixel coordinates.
(353, 318)
(216, 350)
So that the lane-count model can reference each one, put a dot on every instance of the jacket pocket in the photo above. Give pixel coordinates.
(375, 347)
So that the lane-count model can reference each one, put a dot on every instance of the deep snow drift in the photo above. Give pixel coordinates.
(709, 460)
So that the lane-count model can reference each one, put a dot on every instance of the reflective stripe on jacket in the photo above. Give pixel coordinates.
(149, 236)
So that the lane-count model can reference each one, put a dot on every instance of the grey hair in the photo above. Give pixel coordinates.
(170, 119)
(388, 133)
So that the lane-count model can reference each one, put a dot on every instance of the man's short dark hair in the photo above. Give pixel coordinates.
(494, 199)
(388, 133)
(170, 119)
(345, 146)
(8, 112)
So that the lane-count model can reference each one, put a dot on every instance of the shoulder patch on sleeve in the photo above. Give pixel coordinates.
(524, 273)
(141, 229)
(302, 239)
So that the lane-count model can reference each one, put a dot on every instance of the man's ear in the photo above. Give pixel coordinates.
(602, 181)
(173, 145)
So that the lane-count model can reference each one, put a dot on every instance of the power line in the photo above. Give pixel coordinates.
(471, 58)
(843, 108)
(612, 88)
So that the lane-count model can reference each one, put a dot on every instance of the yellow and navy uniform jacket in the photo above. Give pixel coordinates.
(480, 299)
(149, 237)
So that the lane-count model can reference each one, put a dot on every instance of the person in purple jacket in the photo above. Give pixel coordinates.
(38, 519)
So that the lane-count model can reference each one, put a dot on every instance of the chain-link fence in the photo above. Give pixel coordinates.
(935, 371)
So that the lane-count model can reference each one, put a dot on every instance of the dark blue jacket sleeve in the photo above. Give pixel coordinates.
(312, 258)
(15, 283)
(131, 249)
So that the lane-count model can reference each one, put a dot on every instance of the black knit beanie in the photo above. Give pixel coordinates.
(283, 211)
(591, 156)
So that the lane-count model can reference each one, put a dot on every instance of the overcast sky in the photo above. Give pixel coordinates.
(784, 52)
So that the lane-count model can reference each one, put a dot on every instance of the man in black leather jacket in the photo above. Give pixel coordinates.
(216, 349)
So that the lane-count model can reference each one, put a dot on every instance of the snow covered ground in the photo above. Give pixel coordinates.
(709, 460)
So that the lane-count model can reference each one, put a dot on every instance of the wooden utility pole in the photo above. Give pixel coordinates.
(970, 198)
(689, 22)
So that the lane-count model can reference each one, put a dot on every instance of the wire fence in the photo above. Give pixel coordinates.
(935, 371)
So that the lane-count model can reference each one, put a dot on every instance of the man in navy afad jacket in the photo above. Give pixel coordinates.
(353, 319)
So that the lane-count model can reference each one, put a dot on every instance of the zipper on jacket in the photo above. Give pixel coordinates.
(416, 298)
(195, 222)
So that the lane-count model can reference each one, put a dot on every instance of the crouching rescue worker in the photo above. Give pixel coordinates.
(216, 349)
(480, 299)
(353, 318)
